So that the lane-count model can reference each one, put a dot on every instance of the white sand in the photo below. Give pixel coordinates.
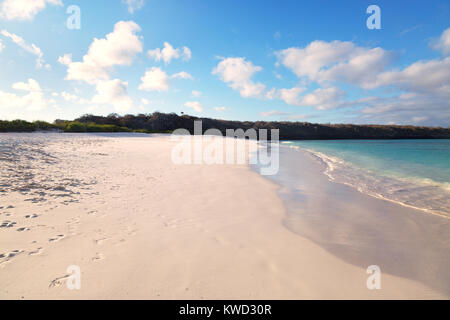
(149, 229)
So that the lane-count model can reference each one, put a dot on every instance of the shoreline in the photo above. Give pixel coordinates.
(107, 205)
(340, 224)
(320, 157)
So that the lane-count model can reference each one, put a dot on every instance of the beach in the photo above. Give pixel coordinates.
(139, 226)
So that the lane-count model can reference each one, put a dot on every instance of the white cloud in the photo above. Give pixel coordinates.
(155, 79)
(65, 59)
(33, 100)
(424, 86)
(323, 99)
(443, 44)
(322, 61)
(196, 93)
(238, 73)
(431, 77)
(134, 5)
(220, 109)
(194, 105)
(182, 75)
(113, 92)
(2, 46)
(118, 48)
(31, 48)
(420, 109)
(145, 102)
(24, 9)
(290, 96)
(73, 98)
(168, 53)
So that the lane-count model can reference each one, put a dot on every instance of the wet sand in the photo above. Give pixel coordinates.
(361, 229)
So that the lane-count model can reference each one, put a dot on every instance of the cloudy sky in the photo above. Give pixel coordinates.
(293, 60)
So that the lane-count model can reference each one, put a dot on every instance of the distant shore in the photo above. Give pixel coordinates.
(166, 123)
(139, 226)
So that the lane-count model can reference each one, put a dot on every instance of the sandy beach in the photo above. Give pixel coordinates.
(141, 227)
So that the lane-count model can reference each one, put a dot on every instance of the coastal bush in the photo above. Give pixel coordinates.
(16, 126)
(158, 122)
(42, 125)
(76, 126)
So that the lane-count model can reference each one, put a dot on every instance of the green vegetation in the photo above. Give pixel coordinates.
(76, 126)
(24, 126)
(66, 126)
(158, 122)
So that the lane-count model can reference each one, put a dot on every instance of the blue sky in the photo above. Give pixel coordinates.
(310, 61)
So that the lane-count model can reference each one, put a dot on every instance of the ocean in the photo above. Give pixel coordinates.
(414, 173)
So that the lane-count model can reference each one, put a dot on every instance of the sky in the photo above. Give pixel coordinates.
(315, 61)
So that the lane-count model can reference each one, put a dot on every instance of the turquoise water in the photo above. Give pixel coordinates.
(412, 172)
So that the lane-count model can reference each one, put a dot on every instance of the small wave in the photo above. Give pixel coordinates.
(423, 194)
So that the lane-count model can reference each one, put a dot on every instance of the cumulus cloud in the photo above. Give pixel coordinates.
(66, 59)
(134, 5)
(238, 73)
(323, 98)
(145, 102)
(31, 48)
(443, 43)
(2, 46)
(24, 9)
(431, 77)
(113, 92)
(168, 53)
(423, 87)
(183, 75)
(194, 105)
(322, 61)
(420, 109)
(289, 96)
(118, 48)
(70, 97)
(220, 109)
(32, 100)
(154, 79)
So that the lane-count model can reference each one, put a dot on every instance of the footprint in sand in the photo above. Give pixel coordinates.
(8, 224)
(58, 281)
(9, 256)
(100, 241)
(36, 252)
(23, 229)
(57, 238)
(31, 216)
(98, 256)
